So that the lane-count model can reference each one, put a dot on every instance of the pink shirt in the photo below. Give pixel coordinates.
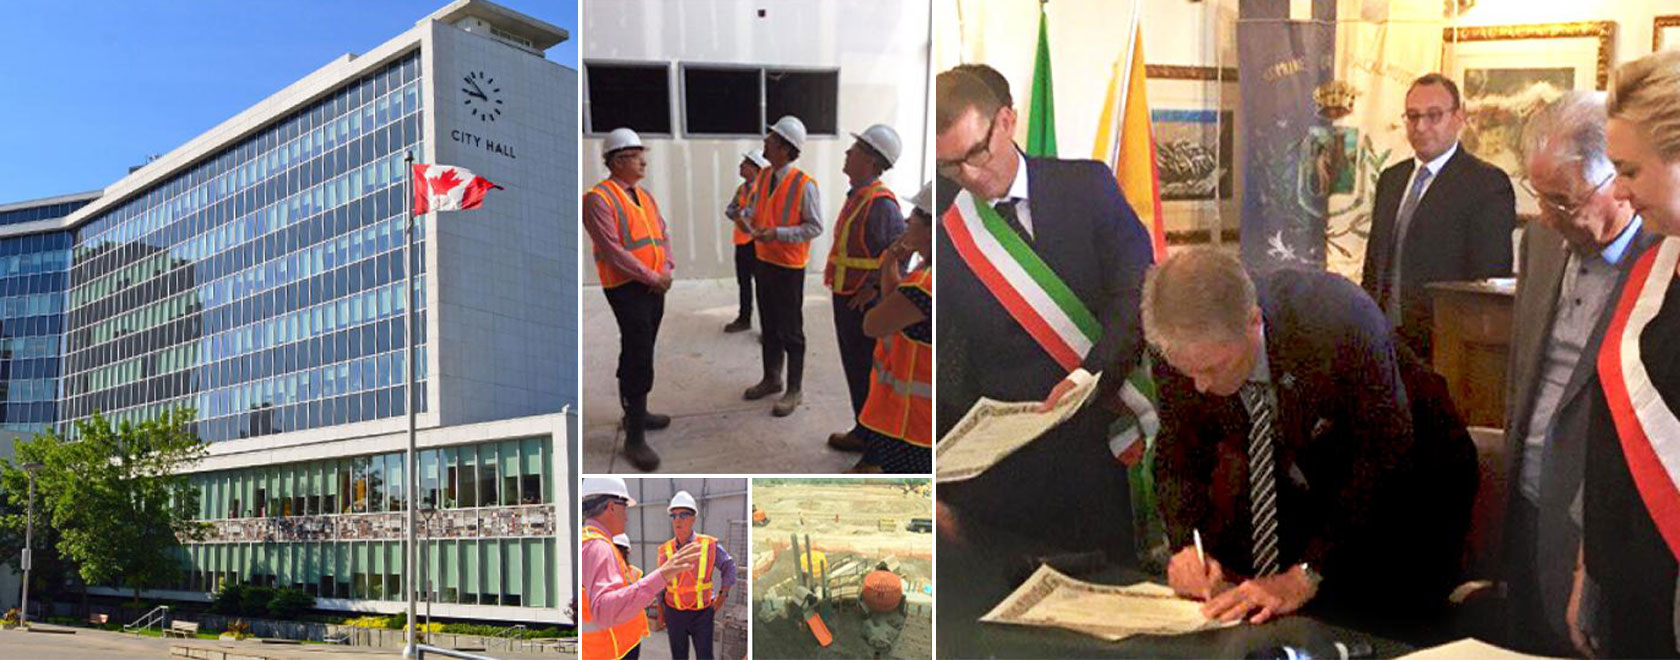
(608, 604)
(602, 225)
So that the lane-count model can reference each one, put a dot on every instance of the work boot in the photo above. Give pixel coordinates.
(846, 442)
(655, 421)
(635, 445)
(770, 385)
(786, 405)
(741, 324)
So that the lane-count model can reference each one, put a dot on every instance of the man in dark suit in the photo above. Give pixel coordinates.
(1444, 215)
(1288, 445)
(1066, 487)
(1574, 259)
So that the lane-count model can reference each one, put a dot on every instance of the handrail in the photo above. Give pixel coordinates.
(506, 634)
(156, 615)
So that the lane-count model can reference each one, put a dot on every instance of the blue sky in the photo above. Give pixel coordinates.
(91, 87)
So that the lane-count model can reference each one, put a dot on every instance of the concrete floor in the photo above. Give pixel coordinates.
(700, 373)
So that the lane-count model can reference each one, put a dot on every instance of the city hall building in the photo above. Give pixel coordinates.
(256, 275)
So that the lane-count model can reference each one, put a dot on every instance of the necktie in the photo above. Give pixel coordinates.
(1403, 222)
(1262, 479)
(1006, 209)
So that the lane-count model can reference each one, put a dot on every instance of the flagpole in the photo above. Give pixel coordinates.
(408, 391)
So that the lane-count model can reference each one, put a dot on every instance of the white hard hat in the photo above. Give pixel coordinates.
(682, 500)
(621, 138)
(884, 140)
(605, 486)
(622, 541)
(756, 157)
(924, 199)
(791, 129)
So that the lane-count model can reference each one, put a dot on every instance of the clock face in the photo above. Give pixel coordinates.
(483, 96)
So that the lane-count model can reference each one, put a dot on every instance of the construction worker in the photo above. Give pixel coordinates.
(687, 610)
(752, 163)
(613, 612)
(897, 420)
(633, 258)
(869, 222)
(623, 543)
(785, 219)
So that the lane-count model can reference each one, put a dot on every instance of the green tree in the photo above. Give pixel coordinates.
(115, 497)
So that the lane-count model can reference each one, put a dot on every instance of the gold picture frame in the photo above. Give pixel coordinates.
(1662, 26)
(1604, 32)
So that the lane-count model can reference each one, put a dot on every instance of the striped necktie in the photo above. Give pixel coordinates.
(1403, 223)
(1262, 479)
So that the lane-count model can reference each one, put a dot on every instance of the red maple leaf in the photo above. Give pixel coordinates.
(445, 182)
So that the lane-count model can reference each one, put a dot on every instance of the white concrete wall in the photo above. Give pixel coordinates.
(880, 46)
(504, 278)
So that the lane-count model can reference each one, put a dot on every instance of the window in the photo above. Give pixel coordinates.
(487, 476)
(812, 96)
(722, 101)
(636, 96)
(469, 477)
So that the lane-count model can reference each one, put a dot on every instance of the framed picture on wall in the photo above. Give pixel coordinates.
(1193, 114)
(1665, 33)
(1506, 72)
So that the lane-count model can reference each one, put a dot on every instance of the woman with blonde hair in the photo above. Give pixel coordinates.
(1631, 493)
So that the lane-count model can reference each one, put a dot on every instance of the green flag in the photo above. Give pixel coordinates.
(1041, 118)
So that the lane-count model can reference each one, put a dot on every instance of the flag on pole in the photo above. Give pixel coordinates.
(1041, 117)
(448, 188)
(1126, 140)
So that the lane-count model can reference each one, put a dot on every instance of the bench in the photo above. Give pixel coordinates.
(186, 629)
(98, 619)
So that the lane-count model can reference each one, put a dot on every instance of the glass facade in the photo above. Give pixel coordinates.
(42, 212)
(263, 286)
(364, 561)
(33, 271)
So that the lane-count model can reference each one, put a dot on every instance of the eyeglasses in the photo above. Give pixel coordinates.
(976, 156)
(1432, 117)
(681, 515)
(1565, 211)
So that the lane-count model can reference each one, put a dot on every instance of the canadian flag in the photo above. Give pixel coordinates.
(448, 188)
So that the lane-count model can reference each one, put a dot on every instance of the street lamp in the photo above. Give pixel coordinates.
(28, 541)
(426, 513)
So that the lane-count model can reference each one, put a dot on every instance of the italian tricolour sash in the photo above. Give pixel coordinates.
(1647, 427)
(1043, 305)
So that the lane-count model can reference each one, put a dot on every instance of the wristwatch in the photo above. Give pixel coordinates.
(1312, 576)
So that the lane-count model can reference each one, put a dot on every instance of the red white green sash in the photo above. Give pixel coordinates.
(1026, 287)
(1647, 427)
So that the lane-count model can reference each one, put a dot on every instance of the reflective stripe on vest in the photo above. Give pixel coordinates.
(611, 642)
(639, 231)
(692, 589)
(849, 262)
(781, 207)
(900, 403)
(743, 202)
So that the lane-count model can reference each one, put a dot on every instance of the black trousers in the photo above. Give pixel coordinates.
(639, 311)
(634, 652)
(745, 263)
(781, 292)
(857, 350)
(684, 625)
(1527, 627)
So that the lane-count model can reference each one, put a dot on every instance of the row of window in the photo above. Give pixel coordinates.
(507, 572)
(717, 100)
(501, 473)
(42, 212)
(353, 95)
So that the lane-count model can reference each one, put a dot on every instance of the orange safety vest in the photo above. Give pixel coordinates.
(692, 590)
(642, 630)
(743, 201)
(610, 643)
(639, 230)
(849, 259)
(780, 208)
(900, 403)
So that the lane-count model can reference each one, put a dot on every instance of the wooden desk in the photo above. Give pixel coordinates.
(1472, 338)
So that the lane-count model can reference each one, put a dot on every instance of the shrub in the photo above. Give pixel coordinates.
(229, 600)
(254, 601)
(367, 622)
(289, 603)
(12, 617)
(239, 629)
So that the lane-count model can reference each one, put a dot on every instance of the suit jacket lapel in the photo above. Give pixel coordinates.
(1587, 366)
(1546, 273)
